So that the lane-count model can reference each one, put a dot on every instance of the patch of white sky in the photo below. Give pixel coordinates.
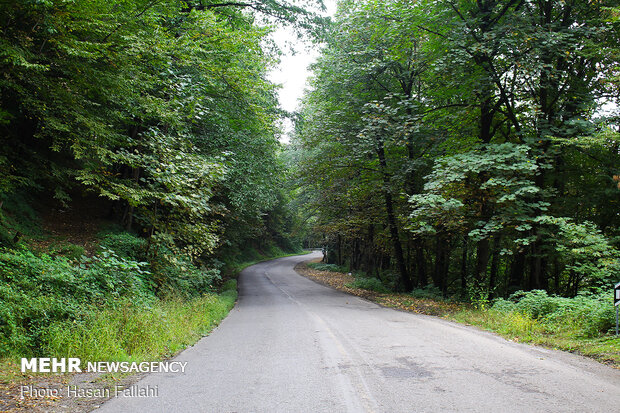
(293, 71)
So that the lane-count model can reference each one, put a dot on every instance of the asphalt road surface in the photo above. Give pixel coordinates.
(291, 345)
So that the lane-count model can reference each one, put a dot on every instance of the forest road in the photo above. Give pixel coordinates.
(292, 345)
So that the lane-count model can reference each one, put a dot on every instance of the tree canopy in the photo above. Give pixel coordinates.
(161, 107)
(470, 145)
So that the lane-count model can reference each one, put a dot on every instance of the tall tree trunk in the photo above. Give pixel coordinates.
(446, 268)
(483, 246)
(421, 264)
(494, 265)
(405, 281)
(517, 270)
(464, 263)
(536, 255)
(442, 263)
(369, 256)
(439, 261)
(339, 250)
(482, 261)
(556, 275)
(135, 176)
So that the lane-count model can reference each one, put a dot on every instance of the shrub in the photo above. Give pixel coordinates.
(71, 251)
(535, 303)
(125, 245)
(327, 267)
(504, 306)
(113, 276)
(372, 284)
(589, 315)
(185, 279)
(584, 315)
(37, 291)
(429, 291)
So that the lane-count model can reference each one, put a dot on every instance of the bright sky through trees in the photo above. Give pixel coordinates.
(292, 72)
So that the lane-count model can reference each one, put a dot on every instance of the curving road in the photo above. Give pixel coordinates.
(291, 345)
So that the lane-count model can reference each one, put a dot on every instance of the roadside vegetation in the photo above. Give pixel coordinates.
(117, 303)
(584, 324)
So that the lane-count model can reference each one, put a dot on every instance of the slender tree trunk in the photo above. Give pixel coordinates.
(483, 247)
(556, 275)
(398, 249)
(442, 263)
(405, 281)
(439, 257)
(494, 265)
(517, 270)
(482, 261)
(421, 263)
(135, 176)
(339, 250)
(464, 263)
(445, 267)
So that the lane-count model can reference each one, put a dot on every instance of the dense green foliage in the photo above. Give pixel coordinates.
(588, 315)
(162, 109)
(469, 146)
(40, 291)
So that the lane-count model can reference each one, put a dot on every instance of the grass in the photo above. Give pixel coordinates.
(139, 333)
(134, 332)
(126, 333)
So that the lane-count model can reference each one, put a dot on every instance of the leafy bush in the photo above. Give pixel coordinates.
(37, 291)
(503, 306)
(6, 239)
(536, 303)
(584, 315)
(125, 245)
(70, 251)
(372, 284)
(116, 276)
(589, 315)
(170, 273)
(17, 216)
(186, 279)
(429, 291)
(327, 267)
